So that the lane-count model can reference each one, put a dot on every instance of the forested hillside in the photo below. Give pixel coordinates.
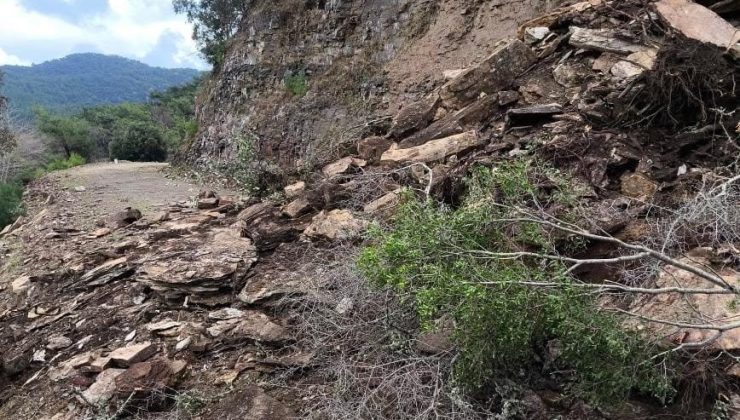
(82, 80)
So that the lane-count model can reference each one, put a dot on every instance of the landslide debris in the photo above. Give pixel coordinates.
(137, 315)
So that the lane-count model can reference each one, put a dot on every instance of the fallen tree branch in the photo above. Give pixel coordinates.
(616, 288)
(712, 278)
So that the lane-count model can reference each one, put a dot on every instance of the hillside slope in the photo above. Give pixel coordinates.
(80, 80)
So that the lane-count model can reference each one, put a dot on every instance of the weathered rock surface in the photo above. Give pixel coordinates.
(134, 353)
(125, 217)
(468, 118)
(604, 40)
(342, 166)
(372, 148)
(696, 22)
(294, 190)
(700, 309)
(495, 73)
(103, 388)
(335, 225)
(414, 117)
(435, 150)
(203, 264)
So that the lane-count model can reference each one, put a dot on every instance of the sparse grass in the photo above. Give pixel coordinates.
(59, 163)
(297, 83)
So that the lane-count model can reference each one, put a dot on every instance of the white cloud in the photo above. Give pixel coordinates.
(130, 28)
(12, 60)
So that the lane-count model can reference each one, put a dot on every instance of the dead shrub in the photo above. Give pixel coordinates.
(366, 363)
(690, 85)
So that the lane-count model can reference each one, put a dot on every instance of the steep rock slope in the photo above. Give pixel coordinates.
(357, 58)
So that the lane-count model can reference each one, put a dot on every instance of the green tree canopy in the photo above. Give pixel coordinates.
(214, 23)
(141, 141)
(67, 134)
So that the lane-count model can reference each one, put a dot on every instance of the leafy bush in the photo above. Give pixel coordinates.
(10, 203)
(60, 163)
(297, 84)
(138, 142)
(441, 258)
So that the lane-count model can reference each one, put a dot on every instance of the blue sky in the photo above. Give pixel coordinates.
(34, 31)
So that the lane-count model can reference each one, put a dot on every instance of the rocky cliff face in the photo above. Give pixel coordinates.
(360, 60)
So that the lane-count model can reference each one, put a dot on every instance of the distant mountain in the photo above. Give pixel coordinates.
(79, 80)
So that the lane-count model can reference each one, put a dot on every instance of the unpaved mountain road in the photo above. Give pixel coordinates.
(111, 187)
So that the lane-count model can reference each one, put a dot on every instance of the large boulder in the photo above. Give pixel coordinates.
(470, 117)
(414, 117)
(497, 72)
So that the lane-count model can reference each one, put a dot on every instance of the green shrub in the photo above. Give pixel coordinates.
(435, 255)
(10, 203)
(138, 142)
(60, 163)
(297, 84)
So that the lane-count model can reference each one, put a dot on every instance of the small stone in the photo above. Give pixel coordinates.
(126, 217)
(146, 377)
(207, 203)
(343, 166)
(434, 342)
(80, 188)
(183, 344)
(58, 342)
(535, 34)
(207, 194)
(386, 202)
(226, 313)
(345, 306)
(130, 336)
(294, 190)
(296, 208)
(99, 364)
(508, 97)
(21, 285)
(163, 325)
(335, 225)
(639, 186)
(103, 388)
(452, 74)
(134, 353)
(99, 233)
(39, 356)
(160, 217)
(372, 148)
(67, 368)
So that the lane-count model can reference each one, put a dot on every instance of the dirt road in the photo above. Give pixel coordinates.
(110, 187)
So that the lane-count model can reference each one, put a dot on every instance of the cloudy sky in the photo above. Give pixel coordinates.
(34, 31)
